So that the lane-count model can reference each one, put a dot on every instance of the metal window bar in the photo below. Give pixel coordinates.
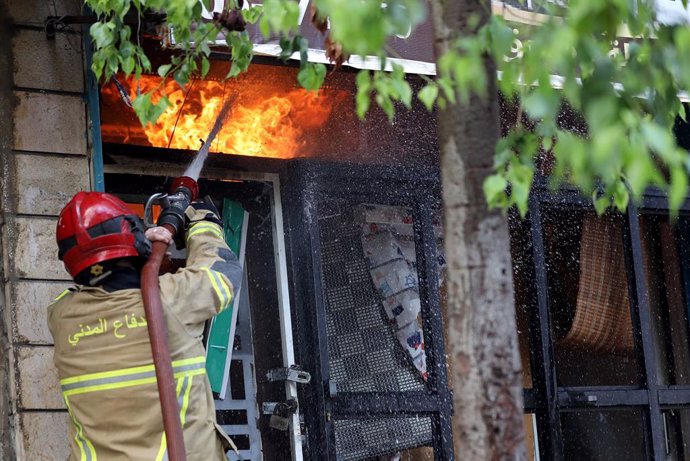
(641, 314)
(544, 367)
(425, 243)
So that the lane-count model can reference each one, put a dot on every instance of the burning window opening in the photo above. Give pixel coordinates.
(270, 117)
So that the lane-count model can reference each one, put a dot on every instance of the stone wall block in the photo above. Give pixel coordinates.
(46, 183)
(36, 250)
(38, 382)
(48, 64)
(49, 123)
(45, 436)
(35, 12)
(32, 300)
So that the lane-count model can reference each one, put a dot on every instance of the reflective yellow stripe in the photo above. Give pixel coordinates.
(205, 227)
(185, 400)
(184, 371)
(221, 288)
(128, 377)
(184, 404)
(121, 384)
(128, 371)
(86, 448)
(227, 290)
(162, 450)
(61, 295)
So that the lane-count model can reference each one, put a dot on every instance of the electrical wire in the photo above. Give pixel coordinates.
(179, 113)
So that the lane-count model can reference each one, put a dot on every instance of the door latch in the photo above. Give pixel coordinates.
(293, 373)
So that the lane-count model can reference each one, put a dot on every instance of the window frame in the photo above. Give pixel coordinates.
(546, 399)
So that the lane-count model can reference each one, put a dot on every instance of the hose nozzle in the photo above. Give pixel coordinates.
(183, 192)
(187, 186)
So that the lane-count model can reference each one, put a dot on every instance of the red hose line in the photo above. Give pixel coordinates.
(160, 350)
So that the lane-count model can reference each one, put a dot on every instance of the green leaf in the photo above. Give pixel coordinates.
(501, 37)
(279, 16)
(102, 34)
(128, 65)
(98, 64)
(157, 110)
(311, 76)
(601, 204)
(363, 101)
(205, 67)
(253, 14)
(678, 188)
(142, 107)
(234, 71)
(541, 103)
(495, 190)
(657, 138)
(145, 63)
(402, 90)
(547, 144)
(164, 69)
(428, 95)
(621, 196)
(386, 104)
(446, 84)
(363, 98)
(520, 177)
(363, 80)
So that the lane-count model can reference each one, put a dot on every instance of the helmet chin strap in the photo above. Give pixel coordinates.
(108, 269)
(97, 280)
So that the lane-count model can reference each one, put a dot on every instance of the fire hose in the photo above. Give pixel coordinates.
(184, 191)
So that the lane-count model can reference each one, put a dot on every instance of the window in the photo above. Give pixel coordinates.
(605, 299)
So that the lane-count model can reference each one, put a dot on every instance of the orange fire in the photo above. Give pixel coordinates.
(264, 121)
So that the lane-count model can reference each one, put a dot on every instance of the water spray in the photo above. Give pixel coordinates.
(194, 169)
(184, 191)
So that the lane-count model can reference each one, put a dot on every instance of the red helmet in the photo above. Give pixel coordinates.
(95, 227)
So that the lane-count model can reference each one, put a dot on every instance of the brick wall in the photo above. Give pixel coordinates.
(44, 162)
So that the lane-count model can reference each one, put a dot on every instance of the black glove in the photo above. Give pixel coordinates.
(174, 206)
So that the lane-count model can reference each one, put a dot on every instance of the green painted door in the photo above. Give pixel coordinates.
(222, 330)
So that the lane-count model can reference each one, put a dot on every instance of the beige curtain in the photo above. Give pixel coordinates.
(601, 322)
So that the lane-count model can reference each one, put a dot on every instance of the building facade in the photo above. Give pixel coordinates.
(344, 265)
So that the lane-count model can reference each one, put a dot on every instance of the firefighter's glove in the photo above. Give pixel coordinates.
(203, 210)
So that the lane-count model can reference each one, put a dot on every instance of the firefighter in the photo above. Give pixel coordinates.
(102, 350)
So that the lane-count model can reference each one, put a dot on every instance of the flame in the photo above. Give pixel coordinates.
(264, 121)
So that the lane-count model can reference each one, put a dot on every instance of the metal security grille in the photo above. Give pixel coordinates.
(363, 439)
(364, 355)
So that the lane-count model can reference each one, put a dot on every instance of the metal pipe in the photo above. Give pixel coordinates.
(160, 350)
(93, 104)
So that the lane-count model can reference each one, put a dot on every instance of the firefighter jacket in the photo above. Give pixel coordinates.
(104, 362)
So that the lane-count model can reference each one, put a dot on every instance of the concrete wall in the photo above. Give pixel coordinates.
(44, 161)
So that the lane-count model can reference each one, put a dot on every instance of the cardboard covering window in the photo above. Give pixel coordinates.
(364, 353)
(222, 329)
(389, 249)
